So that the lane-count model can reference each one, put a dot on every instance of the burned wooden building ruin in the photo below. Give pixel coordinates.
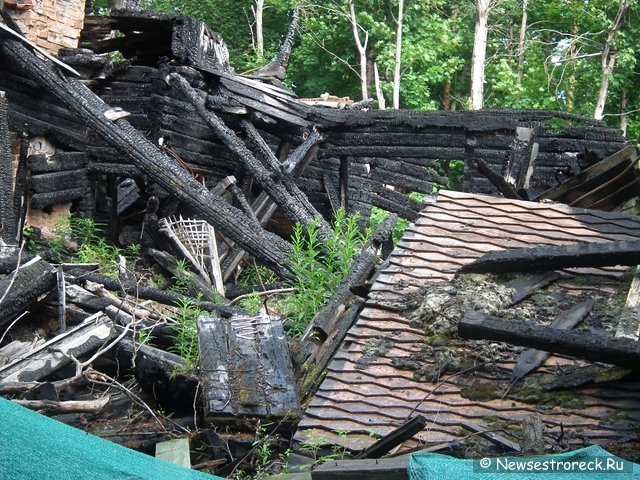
(169, 132)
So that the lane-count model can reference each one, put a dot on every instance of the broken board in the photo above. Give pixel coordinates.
(246, 368)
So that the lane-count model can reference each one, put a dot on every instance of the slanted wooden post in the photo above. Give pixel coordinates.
(8, 217)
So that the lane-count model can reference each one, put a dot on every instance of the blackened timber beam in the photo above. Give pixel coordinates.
(150, 160)
(148, 293)
(24, 287)
(277, 175)
(597, 348)
(8, 215)
(41, 200)
(393, 439)
(577, 255)
(293, 207)
(498, 181)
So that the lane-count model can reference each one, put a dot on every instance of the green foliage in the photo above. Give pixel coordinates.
(181, 281)
(256, 275)
(251, 303)
(314, 444)
(319, 266)
(77, 240)
(186, 331)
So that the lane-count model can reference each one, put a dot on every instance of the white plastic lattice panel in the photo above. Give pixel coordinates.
(197, 241)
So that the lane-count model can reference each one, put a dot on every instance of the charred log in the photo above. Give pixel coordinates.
(616, 351)
(8, 214)
(24, 286)
(149, 293)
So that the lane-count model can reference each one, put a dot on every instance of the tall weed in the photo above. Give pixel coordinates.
(319, 266)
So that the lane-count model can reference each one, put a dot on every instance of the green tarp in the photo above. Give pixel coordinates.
(36, 447)
(591, 463)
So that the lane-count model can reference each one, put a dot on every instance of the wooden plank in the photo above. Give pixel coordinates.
(246, 368)
(592, 176)
(395, 438)
(494, 438)
(54, 354)
(629, 326)
(367, 469)
(60, 161)
(56, 181)
(41, 200)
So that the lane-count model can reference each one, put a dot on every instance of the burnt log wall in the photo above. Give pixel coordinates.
(365, 159)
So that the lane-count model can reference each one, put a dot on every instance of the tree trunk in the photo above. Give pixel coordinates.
(259, 35)
(381, 102)
(521, 44)
(362, 48)
(396, 71)
(624, 116)
(608, 60)
(479, 53)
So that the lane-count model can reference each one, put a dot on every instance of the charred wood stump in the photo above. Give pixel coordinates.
(150, 160)
(158, 372)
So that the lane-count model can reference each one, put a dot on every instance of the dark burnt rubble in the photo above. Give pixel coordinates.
(170, 131)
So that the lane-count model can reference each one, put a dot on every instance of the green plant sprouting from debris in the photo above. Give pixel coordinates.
(251, 303)
(181, 281)
(320, 265)
(257, 275)
(314, 444)
(80, 240)
(186, 330)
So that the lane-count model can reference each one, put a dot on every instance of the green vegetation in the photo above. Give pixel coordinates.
(252, 303)
(319, 266)
(186, 332)
(79, 240)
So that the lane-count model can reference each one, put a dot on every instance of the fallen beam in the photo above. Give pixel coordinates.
(69, 406)
(395, 438)
(610, 350)
(577, 255)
